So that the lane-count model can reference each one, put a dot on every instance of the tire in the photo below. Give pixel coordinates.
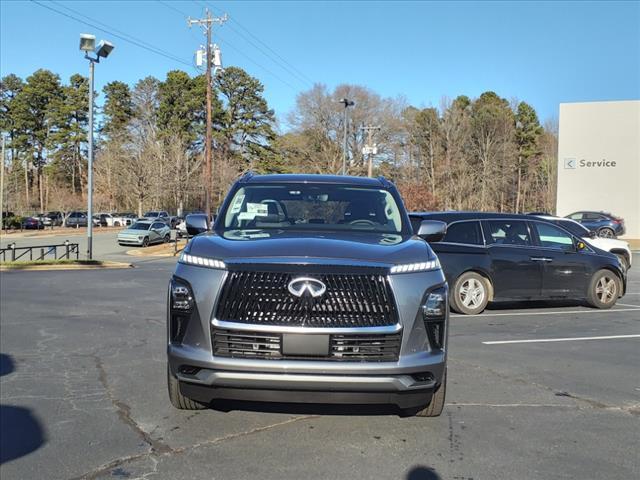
(145, 242)
(167, 238)
(606, 233)
(436, 405)
(116, 224)
(176, 398)
(623, 260)
(462, 301)
(604, 289)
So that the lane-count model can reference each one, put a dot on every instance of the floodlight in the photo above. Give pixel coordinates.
(104, 49)
(87, 42)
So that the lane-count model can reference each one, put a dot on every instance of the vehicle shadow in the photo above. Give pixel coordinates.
(20, 431)
(536, 304)
(423, 473)
(305, 408)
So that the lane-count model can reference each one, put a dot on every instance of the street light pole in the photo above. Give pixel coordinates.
(347, 103)
(90, 164)
(88, 45)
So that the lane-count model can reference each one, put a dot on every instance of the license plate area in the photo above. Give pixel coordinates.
(305, 345)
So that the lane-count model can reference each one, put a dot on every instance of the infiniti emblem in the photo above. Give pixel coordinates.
(306, 286)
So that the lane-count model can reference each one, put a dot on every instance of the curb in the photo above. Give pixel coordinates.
(105, 266)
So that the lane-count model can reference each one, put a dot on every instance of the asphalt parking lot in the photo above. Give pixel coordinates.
(83, 395)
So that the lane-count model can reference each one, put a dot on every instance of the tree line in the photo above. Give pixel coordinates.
(486, 153)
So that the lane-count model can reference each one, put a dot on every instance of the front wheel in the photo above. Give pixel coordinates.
(167, 238)
(470, 293)
(604, 289)
(145, 242)
(606, 233)
(176, 398)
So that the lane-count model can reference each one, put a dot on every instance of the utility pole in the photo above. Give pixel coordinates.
(207, 25)
(347, 103)
(2, 185)
(370, 148)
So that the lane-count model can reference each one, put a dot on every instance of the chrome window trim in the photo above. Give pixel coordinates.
(387, 329)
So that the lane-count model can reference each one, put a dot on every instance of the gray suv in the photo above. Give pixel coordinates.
(310, 289)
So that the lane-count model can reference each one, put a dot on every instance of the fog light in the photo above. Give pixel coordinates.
(422, 377)
(189, 370)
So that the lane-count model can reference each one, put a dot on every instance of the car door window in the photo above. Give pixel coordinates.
(464, 232)
(508, 232)
(551, 236)
(157, 226)
(576, 216)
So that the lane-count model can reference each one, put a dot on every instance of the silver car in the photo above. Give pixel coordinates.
(143, 234)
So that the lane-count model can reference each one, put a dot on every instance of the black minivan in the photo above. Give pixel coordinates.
(494, 257)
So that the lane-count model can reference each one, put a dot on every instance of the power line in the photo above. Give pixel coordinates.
(280, 61)
(132, 40)
(230, 45)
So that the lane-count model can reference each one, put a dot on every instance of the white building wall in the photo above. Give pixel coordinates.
(599, 160)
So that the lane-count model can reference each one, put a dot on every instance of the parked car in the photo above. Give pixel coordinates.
(604, 224)
(158, 215)
(318, 291)
(145, 233)
(76, 219)
(32, 223)
(495, 257)
(57, 218)
(45, 219)
(619, 248)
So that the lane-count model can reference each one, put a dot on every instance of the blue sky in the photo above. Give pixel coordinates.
(544, 53)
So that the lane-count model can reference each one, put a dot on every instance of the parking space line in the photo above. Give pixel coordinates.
(637, 307)
(569, 339)
(627, 305)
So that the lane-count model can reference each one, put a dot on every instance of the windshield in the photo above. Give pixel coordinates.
(151, 214)
(313, 207)
(575, 228)
(140, 226)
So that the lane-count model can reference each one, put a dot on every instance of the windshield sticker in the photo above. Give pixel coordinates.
(258, 209)
(237, 204)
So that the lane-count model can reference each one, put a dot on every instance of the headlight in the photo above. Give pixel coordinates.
(140, 238)
(434, 315)
(416, 267)
(202, 261)
(181, 296)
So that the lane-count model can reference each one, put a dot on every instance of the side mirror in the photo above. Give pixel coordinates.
(432, 230)
(197, 223)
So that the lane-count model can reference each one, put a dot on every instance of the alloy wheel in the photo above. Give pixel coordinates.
(606, 289)
(472, 293)
(606, 233)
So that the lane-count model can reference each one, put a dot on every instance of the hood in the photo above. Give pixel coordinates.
(131, 231)
(313, 247)
(607, 243)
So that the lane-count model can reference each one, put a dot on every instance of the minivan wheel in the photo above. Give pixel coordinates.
(176, 398)
(604, 289)
(470, 293)
(606, 233)
(436, 405)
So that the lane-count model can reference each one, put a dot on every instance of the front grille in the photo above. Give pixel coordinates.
(342, 347)
(350, 300)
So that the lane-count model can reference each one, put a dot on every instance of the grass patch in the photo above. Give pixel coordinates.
(61, 264)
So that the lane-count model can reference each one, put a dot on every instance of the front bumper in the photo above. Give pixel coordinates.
(130, 241)
(406, 383)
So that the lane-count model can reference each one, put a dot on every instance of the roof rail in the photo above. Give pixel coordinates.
(246, 176)
(384, 181)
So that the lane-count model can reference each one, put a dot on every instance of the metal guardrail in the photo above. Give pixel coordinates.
(43, 252)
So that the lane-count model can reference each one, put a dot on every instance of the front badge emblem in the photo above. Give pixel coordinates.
(306, 286)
